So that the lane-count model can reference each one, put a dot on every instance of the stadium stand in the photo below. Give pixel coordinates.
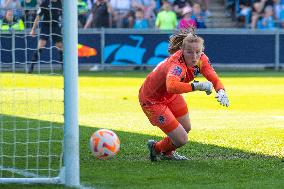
(254, 13)
(213, 14)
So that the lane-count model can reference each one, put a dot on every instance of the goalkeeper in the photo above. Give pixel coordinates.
(49, 15)
(160, 95)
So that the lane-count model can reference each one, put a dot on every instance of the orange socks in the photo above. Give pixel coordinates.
(165, 145)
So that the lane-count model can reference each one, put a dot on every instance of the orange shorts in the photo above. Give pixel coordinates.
(164, 115)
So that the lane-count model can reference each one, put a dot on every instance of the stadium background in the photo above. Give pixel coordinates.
(241, 146)
(227, 26)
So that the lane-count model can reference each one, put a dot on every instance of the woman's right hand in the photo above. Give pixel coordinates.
(202, 86)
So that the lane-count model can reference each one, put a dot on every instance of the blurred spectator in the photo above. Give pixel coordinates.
(267, 21)
(166, 19)
(244, 12)
(14, 5)
(278, 7)
(10, 22)
(187, 21)
(158, 5)
(205, 6)
(100, 15)
(90, 4)
(257, 11)
(29, 7)
(281, 14)
(268, 3)
(140, 22)
(82, 13)
(10, 4)
(199, 16)
(147, 6)
(122, 14)
(230, 7)
(281, 18)
(178, 7)
(128, 20)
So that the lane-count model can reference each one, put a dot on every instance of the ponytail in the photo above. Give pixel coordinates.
(178, 40)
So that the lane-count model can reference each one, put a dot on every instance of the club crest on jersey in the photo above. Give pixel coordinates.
(196, 71)
(162, 119)
(177, 71)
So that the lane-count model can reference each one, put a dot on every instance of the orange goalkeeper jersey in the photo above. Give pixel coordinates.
(172, 76)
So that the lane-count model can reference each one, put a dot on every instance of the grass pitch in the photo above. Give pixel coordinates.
(236, 147)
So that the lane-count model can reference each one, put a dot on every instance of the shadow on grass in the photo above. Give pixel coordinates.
(210, 166)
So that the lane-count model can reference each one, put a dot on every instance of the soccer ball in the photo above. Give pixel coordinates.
(104, 144)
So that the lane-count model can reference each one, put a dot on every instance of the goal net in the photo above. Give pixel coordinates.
(32, 95)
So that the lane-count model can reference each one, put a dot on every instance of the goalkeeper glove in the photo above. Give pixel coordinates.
(202, 86)
(222, 97)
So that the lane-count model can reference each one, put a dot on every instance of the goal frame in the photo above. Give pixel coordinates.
(70, 172)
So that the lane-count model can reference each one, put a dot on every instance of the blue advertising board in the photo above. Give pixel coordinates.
(240, 49)
(91, 44)
(123, 49)
(281, 44)
(150, 49)
(24, 46)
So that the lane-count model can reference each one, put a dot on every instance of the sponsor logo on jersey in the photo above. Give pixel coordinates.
(177, 71)
(162, 119)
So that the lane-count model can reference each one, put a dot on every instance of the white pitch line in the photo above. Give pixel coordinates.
(20, 172)
(278, 117)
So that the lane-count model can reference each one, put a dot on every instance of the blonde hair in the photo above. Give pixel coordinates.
(178, 40)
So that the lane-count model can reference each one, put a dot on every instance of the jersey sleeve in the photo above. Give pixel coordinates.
(209, 73)
(42, 8)
(174, 84)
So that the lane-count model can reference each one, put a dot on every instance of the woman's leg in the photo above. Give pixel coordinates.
(170, 119)
(185, 122)
(179, 136)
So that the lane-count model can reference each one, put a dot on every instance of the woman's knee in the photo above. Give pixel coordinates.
(187, 128)
(181, 140)
(179, 136)
(185, 122)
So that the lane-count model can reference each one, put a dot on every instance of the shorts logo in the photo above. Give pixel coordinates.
(177, 71)
(162, 119)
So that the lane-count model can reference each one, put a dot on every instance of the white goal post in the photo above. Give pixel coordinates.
(29, 145)
(71, 128)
